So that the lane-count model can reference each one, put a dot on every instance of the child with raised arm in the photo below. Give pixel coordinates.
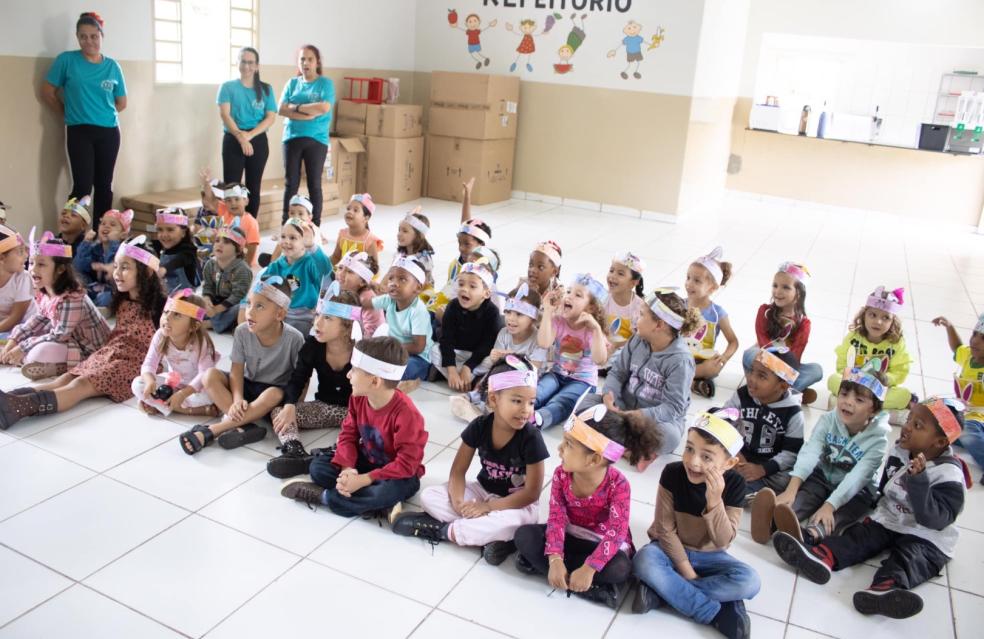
(969, 384)
(232, 209)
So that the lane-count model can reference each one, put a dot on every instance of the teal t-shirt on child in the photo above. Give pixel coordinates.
(246, 110)
(297, 91)
(303, 276)
(90, 88)
(403, 325)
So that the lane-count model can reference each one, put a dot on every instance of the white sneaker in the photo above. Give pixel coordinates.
(463, 409)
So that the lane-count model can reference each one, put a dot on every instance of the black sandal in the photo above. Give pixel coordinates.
(703, 387)
(246, 434)
(190, 443)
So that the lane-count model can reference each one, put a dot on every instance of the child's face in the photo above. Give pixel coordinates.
(328, 328)
(466, 245)
(877, 323)
(405, 235)
(362, 382)
(237, 205)
(472, 291)
(649, 327)
(763, 384)
(517, 323)
(540, 271)
(699, 282)
(920, 432)
(13, 260)
(175, 325)
(401, 285)
(349, 280)
(355, 217)
(42, 272)
(224, 249)
(632, 29)
(620, 278)
(701, 457)
(784, 291)
(291, 242)
(70, 223)
(298, 212)
(977, 347)
(125, 274)
(110, 229)
(514, 406)
(575, 302)
(575, 457)
(169, 235)
(472, 22)
(527, 27)
(854, 409)
(261, 313)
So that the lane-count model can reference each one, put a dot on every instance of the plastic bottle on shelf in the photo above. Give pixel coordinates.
(822, 122)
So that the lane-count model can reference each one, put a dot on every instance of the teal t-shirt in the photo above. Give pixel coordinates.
(245, 109)
(403, 325)
(297, 91)
(90, 88)
(303, 276)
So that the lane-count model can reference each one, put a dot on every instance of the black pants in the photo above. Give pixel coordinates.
(92, 152)
(911, 560)
(234, 163)
(313, 154)
(531, 540)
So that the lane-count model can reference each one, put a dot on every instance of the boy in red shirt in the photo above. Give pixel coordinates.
(376, 464)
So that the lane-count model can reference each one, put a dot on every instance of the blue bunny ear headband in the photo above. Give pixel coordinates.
(517, 305)
(344, 311)
(275, 295)
(596, 288)
(864, 376)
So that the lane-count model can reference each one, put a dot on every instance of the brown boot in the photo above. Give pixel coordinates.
(13, 407)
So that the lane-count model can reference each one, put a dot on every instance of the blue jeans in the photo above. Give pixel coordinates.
(378, 495)
(221, 322)
(721, 577)
(972, 440)
(556, 396)
(809, 374)
(417, 368)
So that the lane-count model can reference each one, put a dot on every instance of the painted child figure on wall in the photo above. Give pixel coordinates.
(527, 46)
(574, 41)
(633, 49)
(473, 29)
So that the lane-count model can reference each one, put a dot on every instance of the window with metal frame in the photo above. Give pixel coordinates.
(198, 41)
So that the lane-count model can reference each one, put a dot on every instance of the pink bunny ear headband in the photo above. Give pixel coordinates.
(356, 262)
(172, 215)
(45, 247)
(631, 260)
(520, 376)
(888, 301)
(711, 262)
(798, 272)
(132, 250)
(175, 304)
(471, 227)
(123, 217)
(366, 200)
(13, 239)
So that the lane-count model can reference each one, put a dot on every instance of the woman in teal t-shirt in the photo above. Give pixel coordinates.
(93, 93)
(247, 109)
(306, 102)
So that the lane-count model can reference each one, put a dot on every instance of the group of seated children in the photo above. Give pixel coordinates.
(520, 370)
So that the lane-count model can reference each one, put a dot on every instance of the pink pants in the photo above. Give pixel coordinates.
(48, 353)
(498, 525)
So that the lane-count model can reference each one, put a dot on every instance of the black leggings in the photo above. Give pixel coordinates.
(234, 163)
(531, 540)
(92, 152)
(313, 154)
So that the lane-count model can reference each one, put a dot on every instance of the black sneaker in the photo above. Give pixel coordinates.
(329, 450)
(605, 594)
(419, 525)
(732, 621)
(304, 491)
(646, 599)
(895, 603)
(293, 461)
(799, 556)
(495, 552)
(524, 566)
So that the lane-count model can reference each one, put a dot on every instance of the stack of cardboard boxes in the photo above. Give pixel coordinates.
(383, 145)
(471, 133)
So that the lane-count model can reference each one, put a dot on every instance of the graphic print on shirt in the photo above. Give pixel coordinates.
(862, 355)
(293, 282)
(515, 472)
(841, 452)
(772, 428)
(372, 446)
(571, 350)
(646, 384)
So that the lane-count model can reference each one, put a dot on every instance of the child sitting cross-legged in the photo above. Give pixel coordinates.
(922, 493)
(698, 509)
(377, 462)
(833, 482)
(225, 279)
(264, 352)
(488, 511)
(586, 545)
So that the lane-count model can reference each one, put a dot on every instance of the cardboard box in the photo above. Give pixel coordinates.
(395, 120)
(350, 118)
(395, 166)
(473, 105)
(362, 167)
(451, 161)
(344, 162)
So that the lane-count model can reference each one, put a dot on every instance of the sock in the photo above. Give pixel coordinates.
(883, 585)
(324, 497)
(823, 553)
(446, 532)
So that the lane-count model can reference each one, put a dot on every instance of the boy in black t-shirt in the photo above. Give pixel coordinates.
(488, 511)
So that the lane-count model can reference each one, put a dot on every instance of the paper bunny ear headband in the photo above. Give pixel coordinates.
(517, 305)
(864, 375)
(44, 246)
(979, 327)
(521, 375)
(578, 427)
(338, 309)
(80, 207)
(275, 295)
(719, 426)
(356, 262)
(712, 262)
(175, 304)
(949, 423)
(13, 239)
(798, 272)
(963, 388)
(596, 288)
(134, 251)
(888, 301)
(123, 217)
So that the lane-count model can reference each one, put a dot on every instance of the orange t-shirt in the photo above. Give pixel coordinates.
(248, 223)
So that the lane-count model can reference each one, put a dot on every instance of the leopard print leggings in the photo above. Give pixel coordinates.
(311, 415)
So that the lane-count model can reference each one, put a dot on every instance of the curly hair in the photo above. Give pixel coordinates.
(893, 335)
(726, 271)
(150, 293)
(776, 325)
(691, 316)
(597, 310)
(633, 429)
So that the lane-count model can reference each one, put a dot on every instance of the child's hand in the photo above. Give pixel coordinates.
(498, 353)
(453, 379)
(581, 578)
(178, 398)
(941, 321)
(466, 378)
(609, 400)
(786, 497)
(149, 388)
(714, 488)
(147, 408)
(611, 54)
(205, 175)
(468, 186)
(238, 409)
(15, 356)
(474, 509)
(90, 235)
(284, 418)
(558, 573)
(751, 472)
(688, 572)
(587, 319)
(824, 517)
(162, 272)
(918, 464)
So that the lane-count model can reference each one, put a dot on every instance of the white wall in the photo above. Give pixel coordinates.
(957, 23)
(722, 44)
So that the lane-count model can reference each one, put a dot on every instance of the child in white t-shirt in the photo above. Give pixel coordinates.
(16, 290)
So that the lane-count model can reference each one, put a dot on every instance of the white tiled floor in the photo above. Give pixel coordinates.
(108, 530)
